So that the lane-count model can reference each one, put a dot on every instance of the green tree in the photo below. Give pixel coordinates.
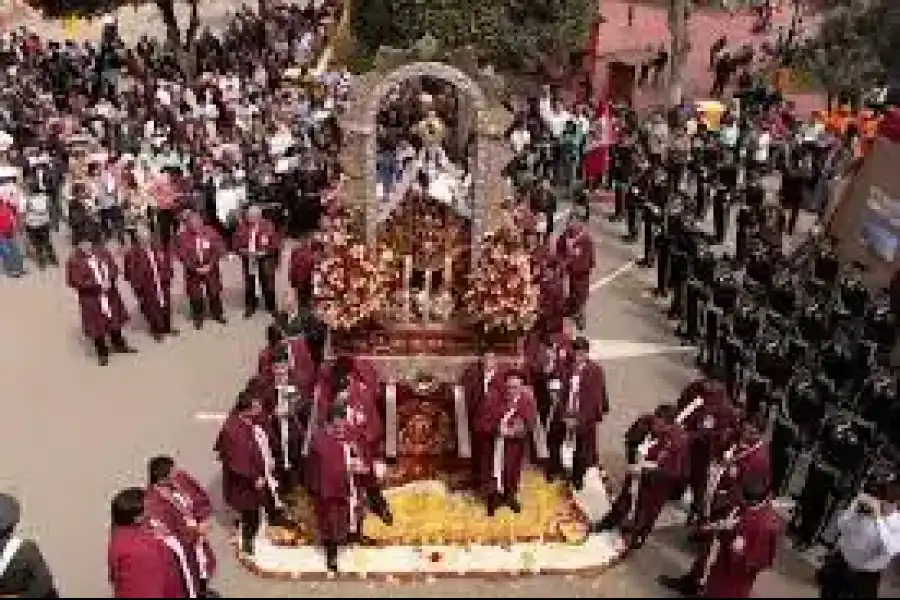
(522, 36)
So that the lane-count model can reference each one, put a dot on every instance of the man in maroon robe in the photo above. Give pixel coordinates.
(147, 266)
(258, 243)
(737, 549)
(180, 503)
(244, 447)
(506, 416)
(200, 248)
(92, 272)
(301, 268)
(706, 414)
(576, 249)
(655, 472)
(745, 458)
(339, 471)
(476, 381)
(140, 563)
(572, 421)
(552, 296)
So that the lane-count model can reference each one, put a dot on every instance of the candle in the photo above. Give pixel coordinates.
(407, 285)
(426, 295)
(448, 272)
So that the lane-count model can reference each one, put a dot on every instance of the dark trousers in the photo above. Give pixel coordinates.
(304, 293)
(258, 285)
(116, 340)
(251, 520)
(112, 223)
(165, 225)
(39, 238)
(838, 580)
(199, 306)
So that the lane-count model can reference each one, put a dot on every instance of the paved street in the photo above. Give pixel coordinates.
(76, 432)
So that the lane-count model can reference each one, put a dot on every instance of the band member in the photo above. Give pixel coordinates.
(572, 420)
(140, 564)
(301, 321)
(92, 272)
(259, 244)
(505, 416)
(737, 549)
(248, 467)
(655, 473)
(200, 248)
(339, 469)
(548, 357)
(576, 249)
(181, 504)
(301, 269)
(147, 266)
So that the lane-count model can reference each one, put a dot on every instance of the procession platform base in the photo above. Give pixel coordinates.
(438, 533)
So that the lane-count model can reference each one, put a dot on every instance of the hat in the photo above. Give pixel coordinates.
(581, 343)
(10, 511)
(755, 490)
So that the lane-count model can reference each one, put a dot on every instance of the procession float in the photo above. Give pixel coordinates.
(420, 273)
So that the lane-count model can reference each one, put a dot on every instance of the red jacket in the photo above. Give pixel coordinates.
(8, 220)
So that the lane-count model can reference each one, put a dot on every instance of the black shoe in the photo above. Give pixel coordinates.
(247, 547)
(514, 504)
(198, 324)
(331, 558)
(220, 319)
(248, 313)
(492, 503)
(125, 349)
(629, 239)
(682, 585)
(644, 263)
(604, 524)
(578, 484)
(173, 332)
(157, 337)
(103, 360)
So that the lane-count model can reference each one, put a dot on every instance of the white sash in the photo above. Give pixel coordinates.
(175, 546)
(262, 443)
(463, 438)
(311, 423)
(101, 276)
(634, 485)
(253, 261)
(12, 546)
(689, 409)
(500, 447)
(201, 246)
(282, 411)
(353, 500)
(157, 282)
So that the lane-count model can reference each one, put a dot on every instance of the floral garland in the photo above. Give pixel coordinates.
(350, 281)
(502, 296)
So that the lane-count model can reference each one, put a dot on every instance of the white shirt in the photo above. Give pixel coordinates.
(519, 140)
(866, 543)
(761, 153)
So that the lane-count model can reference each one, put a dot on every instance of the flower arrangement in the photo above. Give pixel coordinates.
(351, 281)
(502, 295)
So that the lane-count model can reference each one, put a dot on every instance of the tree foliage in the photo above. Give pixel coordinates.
(856, 47)
(523, 36)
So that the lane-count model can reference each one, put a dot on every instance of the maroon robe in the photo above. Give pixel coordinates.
(182, 505)
(301, 368)
(364, 419)
(551, 300)
(301, 266)
(475, 385)
(140, 565)
(657, 471)
(152, 286)
(243, 464)
(268, 245)
(590, 403)
(748, 460)
(499, 407)
(102, 309)
(337, 487)
(576, 248)
(197, 249)
(706, 419)
(744, 551)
